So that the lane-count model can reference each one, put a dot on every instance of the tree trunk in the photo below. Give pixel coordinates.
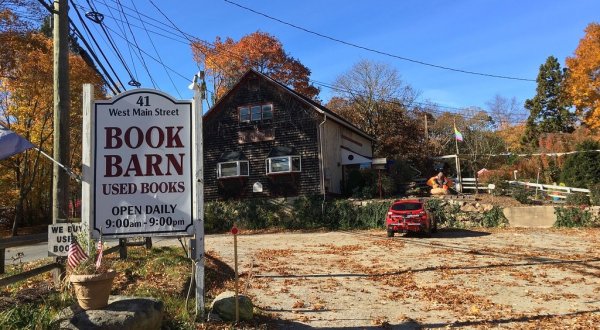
(18, 214)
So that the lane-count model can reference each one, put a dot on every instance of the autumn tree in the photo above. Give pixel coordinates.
(226, 61)
(374, 98)
(583, 82)
(504, 111)
(481, 141)
(26, 106)
(549, 108)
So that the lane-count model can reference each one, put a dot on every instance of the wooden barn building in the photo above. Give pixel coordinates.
(262, 139)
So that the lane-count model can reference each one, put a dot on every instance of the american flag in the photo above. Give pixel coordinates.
(76, 254)
(100, 252)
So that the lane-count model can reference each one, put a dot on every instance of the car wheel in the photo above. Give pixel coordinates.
(390, 233)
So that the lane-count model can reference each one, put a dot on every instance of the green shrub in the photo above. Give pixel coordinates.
(494, 218)
(446, 214)
(307, 213)
(522, 195)
(577, 199)
(219, 216)
(573, 217)
(595, 194)
(581, 169)
(371, 215)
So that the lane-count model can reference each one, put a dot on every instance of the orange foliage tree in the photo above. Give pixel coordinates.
(26, 107)
(226, 61)
(583, 82)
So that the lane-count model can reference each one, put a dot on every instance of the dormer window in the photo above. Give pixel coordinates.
(232, 164)
(283, 160)
(255, 113)
(286, 164)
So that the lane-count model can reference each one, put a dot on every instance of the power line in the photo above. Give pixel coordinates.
(155, 50)
(104, 75)
(133, 81)
(137, 46)
(375, 50)
(232, 54)
(122, 28)
(153, 58)
(183, 41)
(91, 50)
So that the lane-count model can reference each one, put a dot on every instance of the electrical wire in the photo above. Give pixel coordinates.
(104, 75)
(232, 54)
(110, 84)
(375, 50)
(156, 60)
(114, 47)
(122, 28)
(156, 50)
(137, 46)
(91, 50)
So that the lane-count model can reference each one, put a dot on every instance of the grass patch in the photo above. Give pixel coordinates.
(162, 273)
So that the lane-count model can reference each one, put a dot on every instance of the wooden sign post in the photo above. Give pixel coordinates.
(142, 169)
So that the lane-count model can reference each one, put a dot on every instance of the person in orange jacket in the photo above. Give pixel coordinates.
(440, 181)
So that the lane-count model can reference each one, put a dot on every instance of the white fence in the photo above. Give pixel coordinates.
(551, 190)
(469, 184)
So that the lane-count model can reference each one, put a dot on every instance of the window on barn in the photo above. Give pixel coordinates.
(232, 164)
(232, 169)
(244, 114)
(255, 113)
(283, 160)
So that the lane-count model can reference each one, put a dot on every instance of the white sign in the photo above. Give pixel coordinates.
(143, 154)
(59, 238)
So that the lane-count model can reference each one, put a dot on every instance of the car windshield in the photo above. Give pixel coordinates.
(406, 206)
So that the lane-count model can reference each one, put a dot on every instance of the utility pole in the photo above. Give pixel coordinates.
(60, 178)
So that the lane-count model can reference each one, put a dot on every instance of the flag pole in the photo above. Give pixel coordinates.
(68, 170)
(458, 175)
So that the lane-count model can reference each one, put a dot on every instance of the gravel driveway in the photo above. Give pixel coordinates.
(501, 278)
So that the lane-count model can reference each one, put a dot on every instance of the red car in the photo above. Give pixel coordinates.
(409, 215)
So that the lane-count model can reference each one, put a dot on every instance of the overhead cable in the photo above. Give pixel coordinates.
(375, 50)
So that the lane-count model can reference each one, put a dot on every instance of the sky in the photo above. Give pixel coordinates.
(498, 37)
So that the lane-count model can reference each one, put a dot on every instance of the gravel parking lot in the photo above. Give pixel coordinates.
(500, 278)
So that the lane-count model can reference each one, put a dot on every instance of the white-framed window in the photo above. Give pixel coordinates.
(233, 169)
(285, 164)
(255, 113)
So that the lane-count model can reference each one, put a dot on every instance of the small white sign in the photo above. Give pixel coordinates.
(59, 238)
(143, 158)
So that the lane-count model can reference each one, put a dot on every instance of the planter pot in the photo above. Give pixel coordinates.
(92, 291)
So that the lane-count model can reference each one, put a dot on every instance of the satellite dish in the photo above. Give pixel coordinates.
(257, 187)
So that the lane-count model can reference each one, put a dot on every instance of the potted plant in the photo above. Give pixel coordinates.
(90, 276)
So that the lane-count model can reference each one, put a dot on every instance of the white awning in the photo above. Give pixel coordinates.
(350, 157)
